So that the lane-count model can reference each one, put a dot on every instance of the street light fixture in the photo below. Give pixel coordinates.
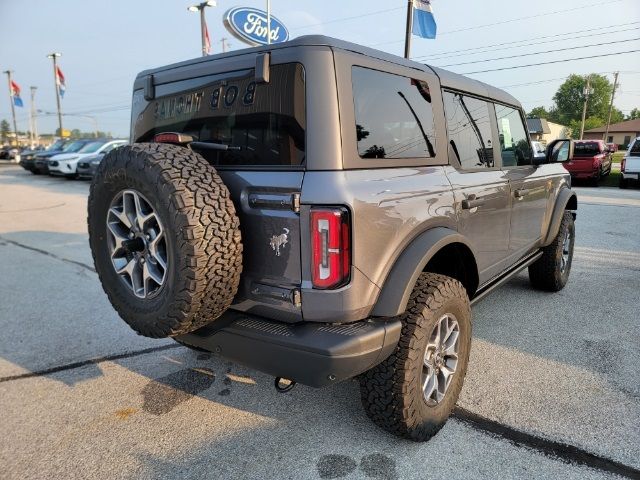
(203, 26)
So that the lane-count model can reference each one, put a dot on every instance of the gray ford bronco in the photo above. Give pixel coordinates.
(321, 211)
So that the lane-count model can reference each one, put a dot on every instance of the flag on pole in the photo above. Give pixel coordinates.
(60, 81)
(15, 94)
(424, 25)
(207, 42)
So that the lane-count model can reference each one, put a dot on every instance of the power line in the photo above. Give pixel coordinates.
(544, 14)
(527, 42)
(541, 52)
(555, 79)
(548, 63)
(344, 19)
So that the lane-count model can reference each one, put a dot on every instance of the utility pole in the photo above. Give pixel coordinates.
(13, 107)
(268, 22)
(223, 40)
(613, 94)
(203, 24)
(407, 38)
(586, 91)
(34, 121)
(54, 56)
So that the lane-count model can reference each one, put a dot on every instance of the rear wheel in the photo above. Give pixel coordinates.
(412, 393)
(165, 238)
(551, 271)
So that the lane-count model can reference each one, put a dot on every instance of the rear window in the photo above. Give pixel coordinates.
(586, 149)
(393, 115)
(634, 151)
(264, 121)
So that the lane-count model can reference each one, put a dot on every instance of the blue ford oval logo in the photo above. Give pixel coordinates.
(250, 25)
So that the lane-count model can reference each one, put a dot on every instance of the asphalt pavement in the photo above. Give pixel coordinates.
(552, 391)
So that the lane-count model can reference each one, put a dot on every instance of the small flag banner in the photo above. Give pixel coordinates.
(60, 80)
(207, 42)
(424, 24)
(15, 93)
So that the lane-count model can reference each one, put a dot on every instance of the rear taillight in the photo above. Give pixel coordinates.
(622, 164)
(172, 137)
(330, 247)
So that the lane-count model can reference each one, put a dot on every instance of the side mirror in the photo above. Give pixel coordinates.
(560, 151)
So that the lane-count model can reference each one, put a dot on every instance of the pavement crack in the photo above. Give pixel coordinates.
(49, 254)
(91, 361)
(562, 451)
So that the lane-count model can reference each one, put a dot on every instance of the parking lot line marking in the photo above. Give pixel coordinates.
(49, 254)
(91, 361)
(562, 451)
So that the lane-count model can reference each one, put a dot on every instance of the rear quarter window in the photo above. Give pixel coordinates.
(394, 118)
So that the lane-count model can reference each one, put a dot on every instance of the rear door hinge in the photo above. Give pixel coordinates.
(295, 202)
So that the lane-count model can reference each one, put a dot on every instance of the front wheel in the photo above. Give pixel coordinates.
(551, 271)
(412, 393)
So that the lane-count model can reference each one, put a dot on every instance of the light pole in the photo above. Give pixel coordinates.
(34, 125)
(613, 94)
(203, 24)
(54, 56)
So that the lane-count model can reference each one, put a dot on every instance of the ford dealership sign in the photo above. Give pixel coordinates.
(250, 25)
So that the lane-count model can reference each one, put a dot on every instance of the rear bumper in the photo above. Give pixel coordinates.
(631, 175)
(313, 354)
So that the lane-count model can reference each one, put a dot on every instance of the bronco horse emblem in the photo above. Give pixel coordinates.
(278, 241)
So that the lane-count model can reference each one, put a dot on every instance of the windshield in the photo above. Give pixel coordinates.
(73, 147)
(91, 147)
(586, 149)
(57, 145)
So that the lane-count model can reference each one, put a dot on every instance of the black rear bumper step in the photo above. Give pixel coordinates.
(314, 354)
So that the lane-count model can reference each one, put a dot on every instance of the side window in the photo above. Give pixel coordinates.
(393, 115)
(514, 139)
(469, 130)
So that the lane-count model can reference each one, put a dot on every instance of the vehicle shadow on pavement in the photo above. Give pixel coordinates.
(16, 175)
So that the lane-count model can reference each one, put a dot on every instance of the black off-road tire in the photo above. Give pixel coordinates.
(391, 392)
(546, 273)
(202, 232)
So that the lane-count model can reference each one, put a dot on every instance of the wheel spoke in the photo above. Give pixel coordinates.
(429, 385)
(121, 216)
(149, 273)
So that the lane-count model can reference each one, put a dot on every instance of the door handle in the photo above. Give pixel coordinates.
(471, 202)
(521, 193)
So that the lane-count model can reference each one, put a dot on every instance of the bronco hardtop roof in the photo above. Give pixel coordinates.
(447, 79)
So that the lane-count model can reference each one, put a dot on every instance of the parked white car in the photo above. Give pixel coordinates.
(630, 166)
(67, 163)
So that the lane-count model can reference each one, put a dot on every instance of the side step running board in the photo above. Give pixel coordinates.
(507, 275)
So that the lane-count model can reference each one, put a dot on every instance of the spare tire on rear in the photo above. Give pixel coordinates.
(165, 238)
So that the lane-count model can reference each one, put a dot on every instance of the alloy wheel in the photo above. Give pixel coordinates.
(137, 243)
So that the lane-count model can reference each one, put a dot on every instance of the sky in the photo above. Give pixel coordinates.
(104, 44)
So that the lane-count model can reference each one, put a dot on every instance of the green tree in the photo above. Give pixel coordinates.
(633, 114)
(5, 129)
(538, 112)
(569, 99)
(589, 123)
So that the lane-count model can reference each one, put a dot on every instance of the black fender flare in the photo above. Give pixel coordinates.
(398, 285)
(566, 200)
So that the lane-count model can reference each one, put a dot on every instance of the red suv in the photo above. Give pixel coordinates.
(591, 160)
